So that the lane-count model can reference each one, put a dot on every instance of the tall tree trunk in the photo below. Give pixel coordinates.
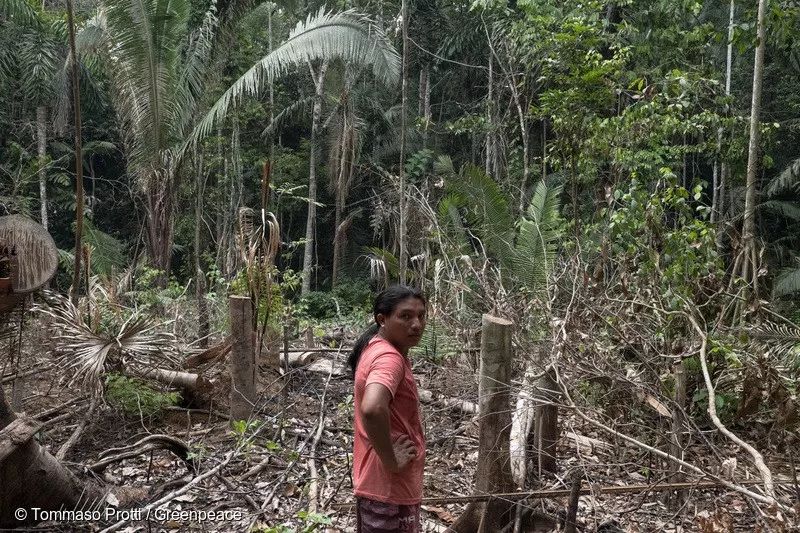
(311, 221)
(424, 100)
(720, 191)
(200, 286)
(41, 145)
(237, 190)
(749, 266)
(76, 106)
(489, 119)
(403, 255)
(339, 193)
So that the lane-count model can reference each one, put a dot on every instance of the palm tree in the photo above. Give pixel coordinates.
(158, 80)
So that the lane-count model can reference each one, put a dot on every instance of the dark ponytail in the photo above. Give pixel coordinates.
(385, 303)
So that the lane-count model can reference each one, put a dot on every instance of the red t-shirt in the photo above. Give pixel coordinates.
(380, 362)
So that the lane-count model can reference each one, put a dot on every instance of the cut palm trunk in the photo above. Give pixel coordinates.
(493, 474)
(243, 359)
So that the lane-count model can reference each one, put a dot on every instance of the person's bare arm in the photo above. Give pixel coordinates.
(377, 423)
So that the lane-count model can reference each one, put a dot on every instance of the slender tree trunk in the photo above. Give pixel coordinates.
(424, 103)
(200, 286)
(76, 106)
(237, 190)
(489, 119)
(403, 255)
(311, 221)
(721, 193)
(271, 92)
(339, 187)
(749, 266)
(41, 145)
(676, 442)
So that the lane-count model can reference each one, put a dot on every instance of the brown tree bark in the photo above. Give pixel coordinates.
(401, 238)
(31, 477)
(493, 474)
(242, 360)
(546, 423)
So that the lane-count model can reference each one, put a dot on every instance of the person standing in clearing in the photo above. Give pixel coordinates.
(389, 445)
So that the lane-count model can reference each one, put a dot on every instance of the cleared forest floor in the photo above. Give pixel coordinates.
(266, 483)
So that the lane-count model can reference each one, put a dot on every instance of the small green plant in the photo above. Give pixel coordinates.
(308, 522)
(242, 430)
(313, 520)
(133, 396)
(197, 451)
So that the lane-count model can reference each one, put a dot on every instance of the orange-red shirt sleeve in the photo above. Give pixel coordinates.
(387, 369)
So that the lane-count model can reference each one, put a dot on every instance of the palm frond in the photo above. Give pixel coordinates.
(85, 351)
(383, 264)
(488, 212)
(193, 72)
(787, 209)
(108, 253)
(19, 11)
(785, 182)
(787, 282)
(296, 109)
(345, 35)
(147, 38)
(539, 232)
(780, 341)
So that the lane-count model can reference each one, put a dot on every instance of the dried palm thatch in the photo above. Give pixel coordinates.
(35, 256)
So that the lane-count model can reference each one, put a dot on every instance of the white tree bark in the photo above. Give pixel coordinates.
(311, 220)
(41, 144)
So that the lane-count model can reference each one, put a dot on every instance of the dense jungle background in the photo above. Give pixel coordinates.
(610, 188)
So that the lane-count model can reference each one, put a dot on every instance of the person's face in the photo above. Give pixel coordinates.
(405, 325)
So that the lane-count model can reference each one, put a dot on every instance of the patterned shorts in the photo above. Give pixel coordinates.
(379, 517)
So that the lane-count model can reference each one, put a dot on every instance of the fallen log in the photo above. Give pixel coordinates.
(465, 406)
(31, 477)
(218, 351)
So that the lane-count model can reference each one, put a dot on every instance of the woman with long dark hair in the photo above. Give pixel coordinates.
(389, 446)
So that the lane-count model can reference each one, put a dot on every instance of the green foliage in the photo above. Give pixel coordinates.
(539, 233)
(660, 235)
(318, 305)
(135, 397)
(307, 522)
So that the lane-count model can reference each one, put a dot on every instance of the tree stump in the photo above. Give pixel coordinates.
(546, 423)
(493, 474)
(242, 360)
